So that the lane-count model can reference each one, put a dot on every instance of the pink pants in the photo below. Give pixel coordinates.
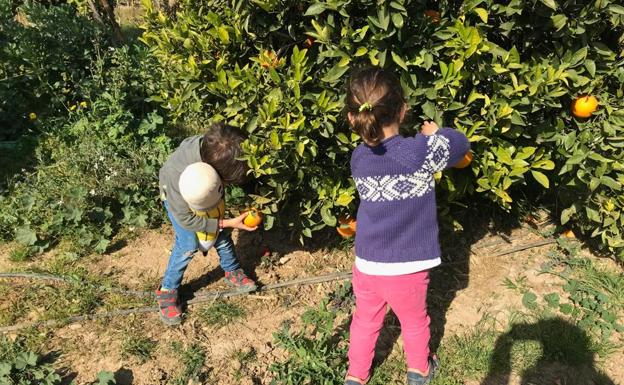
(407, 296)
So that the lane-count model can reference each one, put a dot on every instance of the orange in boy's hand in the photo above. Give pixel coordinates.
(466, 160)
(347, 226)
(253, 218)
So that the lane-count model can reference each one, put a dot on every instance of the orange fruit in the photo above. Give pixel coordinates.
(253, 218)
(467, 159)
(584, 106)
(347, 226)
(433, 15)
(569, 234)
(308, 42)
(346, 233)
(268, 59)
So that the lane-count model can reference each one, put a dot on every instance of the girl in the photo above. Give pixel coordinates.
(397, 231)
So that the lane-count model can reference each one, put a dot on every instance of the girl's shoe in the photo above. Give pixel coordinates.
(239, 280)
(170, 310)
(414, 378)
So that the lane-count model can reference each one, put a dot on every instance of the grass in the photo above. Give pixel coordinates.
(192, 361)
(21, 253)
(242, 358)
(220, 313)
(139, 346)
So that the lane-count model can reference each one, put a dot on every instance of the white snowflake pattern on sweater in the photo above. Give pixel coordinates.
(383, 188)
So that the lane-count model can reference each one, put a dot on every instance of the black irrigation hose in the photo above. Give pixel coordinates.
(207, 296)
(199, 298)
(56, 278)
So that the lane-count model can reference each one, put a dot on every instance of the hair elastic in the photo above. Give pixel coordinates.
(365, 107)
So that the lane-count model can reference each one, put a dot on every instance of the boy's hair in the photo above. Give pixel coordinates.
(375, 99)
(221, 148)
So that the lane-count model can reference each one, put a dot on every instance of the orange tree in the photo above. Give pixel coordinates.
(505, 73)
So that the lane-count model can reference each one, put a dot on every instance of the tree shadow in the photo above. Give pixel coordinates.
(567, 355)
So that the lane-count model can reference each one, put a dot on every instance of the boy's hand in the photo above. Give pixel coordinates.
(237, 223)
(429, 128)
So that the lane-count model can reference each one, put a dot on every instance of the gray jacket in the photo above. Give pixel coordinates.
(169, 176)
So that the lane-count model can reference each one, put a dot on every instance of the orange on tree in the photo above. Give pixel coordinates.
(584, 106)
(308, 42)
(466, 160)
(253, 218)
(347, 226)
(433, 15)
(268, 59)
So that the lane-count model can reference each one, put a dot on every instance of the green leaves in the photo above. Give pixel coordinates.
(541, 178)
(552, 4)
(483, 14)
(25, 236)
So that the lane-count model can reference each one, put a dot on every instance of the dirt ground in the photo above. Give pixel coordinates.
(469, 285)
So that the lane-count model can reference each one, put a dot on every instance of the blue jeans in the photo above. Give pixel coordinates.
(186, 245)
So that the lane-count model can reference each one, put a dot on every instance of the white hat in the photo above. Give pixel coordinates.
(200, 186)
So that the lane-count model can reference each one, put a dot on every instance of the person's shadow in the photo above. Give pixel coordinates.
(567, 356)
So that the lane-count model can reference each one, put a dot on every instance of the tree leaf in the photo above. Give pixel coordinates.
(335, 73)
(566, 214)
(552, 4)
(590, 65)
(541, 178)
(315, 9)
(26, 236)
(559, 21)
(397, 20)
(397, 59)
(344, 199)
(483, 14)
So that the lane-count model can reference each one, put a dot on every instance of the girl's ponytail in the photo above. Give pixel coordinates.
(366, 125)
(374, 100)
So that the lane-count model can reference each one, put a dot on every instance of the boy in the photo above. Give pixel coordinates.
(191, 186)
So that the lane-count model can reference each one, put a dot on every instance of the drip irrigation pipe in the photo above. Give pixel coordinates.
(207, 296)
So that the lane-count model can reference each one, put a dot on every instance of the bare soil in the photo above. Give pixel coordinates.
(467, 287)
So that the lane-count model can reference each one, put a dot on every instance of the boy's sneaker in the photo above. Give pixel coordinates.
(170, 310)
(414, 378)
(239, 280)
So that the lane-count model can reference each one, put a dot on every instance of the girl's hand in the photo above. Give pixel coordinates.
(237, 223)
(429, 128)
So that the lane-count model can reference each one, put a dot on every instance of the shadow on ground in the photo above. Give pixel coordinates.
(567, 356)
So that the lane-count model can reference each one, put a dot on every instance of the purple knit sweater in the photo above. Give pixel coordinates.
(397, 218)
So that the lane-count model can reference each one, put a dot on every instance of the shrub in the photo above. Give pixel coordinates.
(504, 73)
(46, 54)
(96, 169)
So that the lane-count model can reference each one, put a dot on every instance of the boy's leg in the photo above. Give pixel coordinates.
(407, 297)
(234, 275)
(370, 311)
(184, 247)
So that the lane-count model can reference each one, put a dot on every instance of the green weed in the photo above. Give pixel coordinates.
(21, 253)
(242, 359)
(192, 359)
(594, 295)
(316, 353)
(221, 313)
(138, 346)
